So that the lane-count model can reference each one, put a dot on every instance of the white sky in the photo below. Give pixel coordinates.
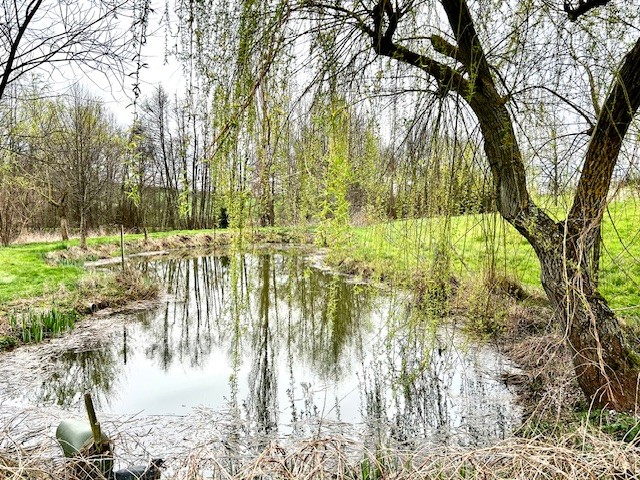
(116, 92)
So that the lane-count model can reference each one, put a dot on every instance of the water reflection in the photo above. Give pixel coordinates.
(288, 350)
(78, 372)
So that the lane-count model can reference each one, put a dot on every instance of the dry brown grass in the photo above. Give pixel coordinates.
(103, 289)
(186, 242)
(579, 455)
(523, 328)
(37, 236)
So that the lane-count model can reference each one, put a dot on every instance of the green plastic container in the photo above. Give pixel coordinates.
(75, 437)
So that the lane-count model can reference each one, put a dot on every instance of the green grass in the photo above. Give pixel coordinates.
(470, 244)
(25, 274)
(474, 243)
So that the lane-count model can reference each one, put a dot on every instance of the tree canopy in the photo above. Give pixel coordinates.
(503, 65)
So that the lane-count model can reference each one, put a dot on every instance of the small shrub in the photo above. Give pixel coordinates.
(8, 342)
(485, 304)
(620, 426)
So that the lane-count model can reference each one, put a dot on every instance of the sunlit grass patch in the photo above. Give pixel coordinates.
(475, 244)
(24, 273)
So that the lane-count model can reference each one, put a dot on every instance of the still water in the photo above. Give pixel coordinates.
(284, 349)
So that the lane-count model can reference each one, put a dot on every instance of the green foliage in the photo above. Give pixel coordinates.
(35, 326)
(620, 426)
(8, 342)
(379, 464)
(14, 194)
(184, 198)
(485, 311)
(132, 161)
(333, 218)
(370, 469)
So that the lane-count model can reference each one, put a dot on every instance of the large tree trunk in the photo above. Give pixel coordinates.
(606, 368)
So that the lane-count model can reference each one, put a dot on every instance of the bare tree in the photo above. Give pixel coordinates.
(36, 34)
(80, 156)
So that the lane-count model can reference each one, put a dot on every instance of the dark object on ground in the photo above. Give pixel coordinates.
(223, 218)
(141, 472)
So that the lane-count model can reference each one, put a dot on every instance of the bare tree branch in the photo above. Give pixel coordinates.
(36, 33)
(583, 6)
(616, 115)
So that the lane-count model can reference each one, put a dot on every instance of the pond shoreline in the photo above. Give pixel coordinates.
(35, 363)
(526, 327)
(528, 338)
(115, 290)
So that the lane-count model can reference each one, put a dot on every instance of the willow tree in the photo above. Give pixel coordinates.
(487, 55)
(453, 56)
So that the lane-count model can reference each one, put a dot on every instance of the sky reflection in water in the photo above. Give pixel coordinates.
(286, 349)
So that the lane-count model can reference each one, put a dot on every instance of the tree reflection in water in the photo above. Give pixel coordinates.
(287, 349)
(78, 372)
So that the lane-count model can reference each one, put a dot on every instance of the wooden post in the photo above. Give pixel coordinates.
(122, 245)
(95, 425)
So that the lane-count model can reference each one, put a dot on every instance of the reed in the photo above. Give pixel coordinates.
(584, 451)
(34, 326)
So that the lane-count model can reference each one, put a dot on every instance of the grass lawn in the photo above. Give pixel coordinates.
(472, 243)
(25, 274)
(475, 242)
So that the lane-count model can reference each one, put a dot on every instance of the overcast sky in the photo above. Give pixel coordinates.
(116, 92)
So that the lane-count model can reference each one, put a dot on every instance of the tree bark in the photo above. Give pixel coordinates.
(606, 367)
(83, 230)
(64, 226)
(61, 207)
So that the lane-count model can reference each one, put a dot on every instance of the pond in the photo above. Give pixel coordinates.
(281, 349)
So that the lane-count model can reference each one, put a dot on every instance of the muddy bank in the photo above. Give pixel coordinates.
(215, 240)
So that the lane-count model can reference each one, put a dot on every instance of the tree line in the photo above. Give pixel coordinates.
(67, 165)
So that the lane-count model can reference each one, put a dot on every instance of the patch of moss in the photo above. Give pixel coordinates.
(7, 343)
